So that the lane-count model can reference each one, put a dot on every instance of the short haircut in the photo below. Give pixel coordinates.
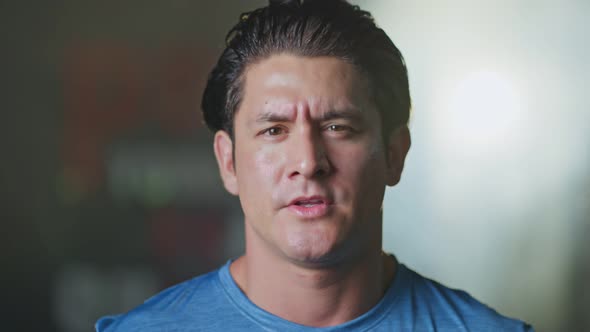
(309, 28)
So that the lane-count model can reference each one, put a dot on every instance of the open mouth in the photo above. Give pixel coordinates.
(310, 203)
(310, 207)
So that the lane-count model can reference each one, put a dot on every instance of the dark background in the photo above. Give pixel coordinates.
(109, 188)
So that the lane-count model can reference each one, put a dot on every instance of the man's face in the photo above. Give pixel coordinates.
(310, 164)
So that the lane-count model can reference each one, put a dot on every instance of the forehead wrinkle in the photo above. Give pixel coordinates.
(340, 107)
(274, 111)
(288, 98)
(283, 110)
(306, 109)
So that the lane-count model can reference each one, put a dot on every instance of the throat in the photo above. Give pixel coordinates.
(315, 297)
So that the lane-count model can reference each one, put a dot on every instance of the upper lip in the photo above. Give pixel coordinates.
(315, 198)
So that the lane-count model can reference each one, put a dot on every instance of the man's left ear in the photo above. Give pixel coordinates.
(397, 148)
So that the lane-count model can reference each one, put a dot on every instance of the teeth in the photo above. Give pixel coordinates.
(309, 203)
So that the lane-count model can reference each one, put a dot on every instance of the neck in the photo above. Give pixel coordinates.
(313, 296)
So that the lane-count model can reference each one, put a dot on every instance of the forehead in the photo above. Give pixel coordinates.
(317, 83)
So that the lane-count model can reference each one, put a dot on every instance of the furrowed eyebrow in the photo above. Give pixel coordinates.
(271, 117)
(352, 115)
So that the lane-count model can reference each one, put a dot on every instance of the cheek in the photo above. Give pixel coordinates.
(361, 172)
(266, 161)
(358, 161)
(258, 168)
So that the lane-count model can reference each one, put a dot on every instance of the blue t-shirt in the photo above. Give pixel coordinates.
(213, 302)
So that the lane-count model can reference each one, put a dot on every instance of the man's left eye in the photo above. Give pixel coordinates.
(338, 128)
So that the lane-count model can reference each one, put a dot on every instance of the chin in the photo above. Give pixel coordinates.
(312, 251)
(313, 243)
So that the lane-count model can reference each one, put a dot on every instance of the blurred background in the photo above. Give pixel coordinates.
(110, 191)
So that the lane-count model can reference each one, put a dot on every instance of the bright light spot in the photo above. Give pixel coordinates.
(483, 109)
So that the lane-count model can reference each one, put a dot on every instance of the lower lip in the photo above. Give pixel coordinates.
(311, 211)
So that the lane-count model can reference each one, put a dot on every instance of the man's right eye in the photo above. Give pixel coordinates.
(274, 131)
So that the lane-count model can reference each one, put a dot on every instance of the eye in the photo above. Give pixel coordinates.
(339, 128)
(274, 131)
(336, 128)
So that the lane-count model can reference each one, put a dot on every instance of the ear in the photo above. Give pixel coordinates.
(397, 148)
(223, 147)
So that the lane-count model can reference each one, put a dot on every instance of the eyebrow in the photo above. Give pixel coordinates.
(271, 117)
(349, 114)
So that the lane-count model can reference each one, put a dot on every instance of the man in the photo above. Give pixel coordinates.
(309, 103)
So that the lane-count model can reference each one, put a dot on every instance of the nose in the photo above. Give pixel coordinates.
(308, 157)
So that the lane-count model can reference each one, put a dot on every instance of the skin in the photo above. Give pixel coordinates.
(307, 127)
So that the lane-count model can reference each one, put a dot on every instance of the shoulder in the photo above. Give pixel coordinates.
(453, 309)
(198, 296)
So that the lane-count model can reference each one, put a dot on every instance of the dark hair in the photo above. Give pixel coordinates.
(309, 28)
